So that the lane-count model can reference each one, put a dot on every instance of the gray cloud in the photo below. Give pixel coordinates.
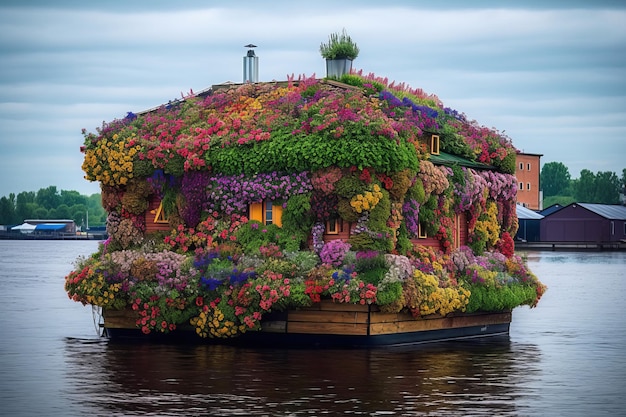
(551, 75)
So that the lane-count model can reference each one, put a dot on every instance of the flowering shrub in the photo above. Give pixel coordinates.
(110, 161)
(333, 252)
(368, 200)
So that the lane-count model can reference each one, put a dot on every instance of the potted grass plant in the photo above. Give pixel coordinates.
(339, 52)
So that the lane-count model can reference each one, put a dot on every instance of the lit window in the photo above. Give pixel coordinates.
(267, 218)
(332, 227)
(421, 231)
(266, 212)
(434, 144)
(159, 214)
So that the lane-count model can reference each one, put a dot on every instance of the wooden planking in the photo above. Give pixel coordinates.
(120, 319)
(352, 329)
(344, 319)
(150, 214)
(416, 325)
(277, 326)
(328, 316)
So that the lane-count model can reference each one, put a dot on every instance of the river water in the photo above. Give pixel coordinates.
(564, 358)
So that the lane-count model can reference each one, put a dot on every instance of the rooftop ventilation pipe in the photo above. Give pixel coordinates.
(250, 66)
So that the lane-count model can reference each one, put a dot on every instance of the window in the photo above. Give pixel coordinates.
(521, 185)
(625, 228)
(528, 166)
(421, 231)
(159, 214)
(266, 212)
(332, 227)
(521, 166)
(268, 209)
(612, 227)
(434, 144)
(528, 186)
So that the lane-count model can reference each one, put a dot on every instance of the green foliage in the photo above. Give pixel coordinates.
(453, 143)
(287, 153)
(380, 213)
(296, 222)
(562, 200)
(142, 168)
(373, 275)
(601, 188)
(254, 234)
(346, 212)
(364, 241)
(555, 178)
(339, 45)
(403, 245)
(296, 215)
(427, 216)
(352, 79)
(48, 203)
(297, 296)
(417, 192)
(506, 165)
(304, 261)
(505, 297)
(350, 185)
(175, 166)
(389, 294)
(370, 87)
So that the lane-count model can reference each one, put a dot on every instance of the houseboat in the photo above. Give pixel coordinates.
(319, 212)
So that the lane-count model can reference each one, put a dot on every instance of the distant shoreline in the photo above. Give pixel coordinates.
(22, 236)
(571, 246)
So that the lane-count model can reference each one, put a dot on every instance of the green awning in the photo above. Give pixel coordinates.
(449, 159)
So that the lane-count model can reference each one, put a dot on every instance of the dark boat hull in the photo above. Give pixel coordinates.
(331, 325)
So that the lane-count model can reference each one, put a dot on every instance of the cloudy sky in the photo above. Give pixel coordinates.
(550, 74)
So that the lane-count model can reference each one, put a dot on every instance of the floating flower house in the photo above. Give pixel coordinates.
(352, 211)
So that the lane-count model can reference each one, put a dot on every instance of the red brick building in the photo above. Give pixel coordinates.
(527, 171)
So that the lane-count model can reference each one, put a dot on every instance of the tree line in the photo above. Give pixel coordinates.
(49, 203)
(603, 187)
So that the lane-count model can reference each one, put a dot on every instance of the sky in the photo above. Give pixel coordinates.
(549, 74)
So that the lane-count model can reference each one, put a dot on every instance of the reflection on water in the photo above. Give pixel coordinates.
(565, 357)
(478, 378)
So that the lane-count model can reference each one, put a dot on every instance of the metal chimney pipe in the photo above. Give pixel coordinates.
(250, 66)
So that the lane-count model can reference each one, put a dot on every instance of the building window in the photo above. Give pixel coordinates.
(434, 144)
(625, 228)
(521, 166)
(528, 186)
(159, 215)
(521, 185)
(333, 226)
(266, 212)
(528, 166)
(421, 231)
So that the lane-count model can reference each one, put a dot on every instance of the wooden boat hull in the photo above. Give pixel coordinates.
(330, 324)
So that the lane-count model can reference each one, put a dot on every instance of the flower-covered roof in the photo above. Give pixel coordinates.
(299, 125)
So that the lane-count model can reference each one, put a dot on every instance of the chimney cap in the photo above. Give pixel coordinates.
(250, 51)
